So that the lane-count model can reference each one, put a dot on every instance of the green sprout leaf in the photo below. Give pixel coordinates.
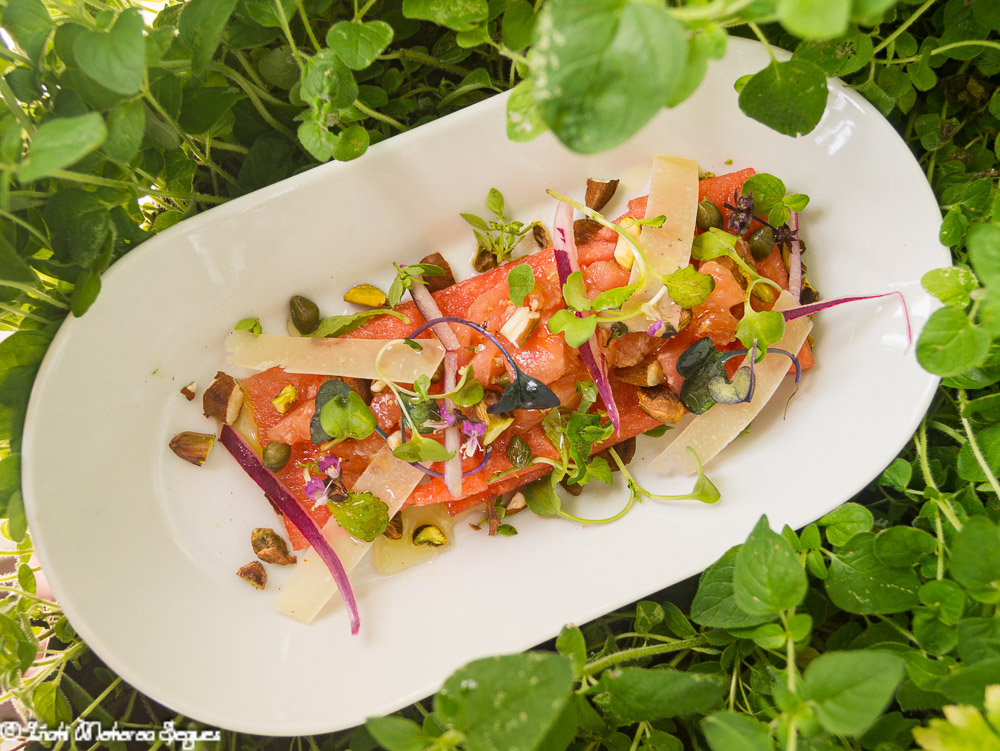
(343, 417)
(577, 331)
(520, 281)
(768, 576)
(249, 324)
(420, 449)
(688, 287)
(358, 43)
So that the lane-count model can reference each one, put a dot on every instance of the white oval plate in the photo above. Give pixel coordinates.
(142, 548)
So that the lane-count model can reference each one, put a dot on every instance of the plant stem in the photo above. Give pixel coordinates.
(379, 116)
(305, 22)
(595, 667)
(710, 12)
(902, 27)
(33, 291)
(763, 39)
(140, 189)
(283, 20)
(974, 445)
(420, 57)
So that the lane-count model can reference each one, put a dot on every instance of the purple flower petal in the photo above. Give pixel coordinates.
(474, 428)
(655, 328)
(316, 489)
(329, 465)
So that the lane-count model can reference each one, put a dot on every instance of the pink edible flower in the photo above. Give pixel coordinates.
(654, 329)
(330, 466)
(316, 490)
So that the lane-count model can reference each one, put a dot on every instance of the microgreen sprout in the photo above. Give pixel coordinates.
(407, 276)
(249, 324)
(496, 239)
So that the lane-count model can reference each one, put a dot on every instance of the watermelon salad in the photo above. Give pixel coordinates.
(509, 390)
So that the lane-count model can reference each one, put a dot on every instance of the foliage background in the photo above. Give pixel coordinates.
(876, 628)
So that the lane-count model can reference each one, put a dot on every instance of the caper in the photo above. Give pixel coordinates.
(708, 215)
(305, 314)
(618, 330)
(276, 455)
(519, 452)
(428, 534)
(761, 243)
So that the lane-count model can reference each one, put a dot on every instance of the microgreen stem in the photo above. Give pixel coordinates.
(948, 431)
(902, 27)
(939, 531)
(140, 189)
(33, 291)
(283, 20)
(763, 39)
(626, 655)
(420, 57)
(379, 116)
(12, 104)
(616, 517)
(974, 444)
(920, 440)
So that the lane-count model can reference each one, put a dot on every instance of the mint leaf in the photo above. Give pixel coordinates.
(767, 190)
(849, 690)
(767, 577)
(116, 59)
(200, 28)
(860, 583)
(487, 702)
(687, 287)
(459, 15)
(595, 82)
(846, 521)
(520, 282)
(950, 285)
(789, 97)
(362, 515)
(640, 695)
(61, 141)
(814, 19)
(359, 43)
(731, 731)
(950, 344)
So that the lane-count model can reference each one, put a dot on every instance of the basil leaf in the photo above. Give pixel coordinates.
(343, 324)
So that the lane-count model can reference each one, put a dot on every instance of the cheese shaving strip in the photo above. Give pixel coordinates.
(311, 586)
(347, 358)
(673, 193)
(711, 432)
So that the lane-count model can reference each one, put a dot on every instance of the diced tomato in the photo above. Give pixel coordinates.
(601, 276)
(720, 189)
(773, 267)
(294, 426)
(386, 410)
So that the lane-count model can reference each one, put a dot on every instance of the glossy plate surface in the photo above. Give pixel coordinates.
(141, 548)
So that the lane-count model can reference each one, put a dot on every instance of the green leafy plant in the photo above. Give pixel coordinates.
(874, 628)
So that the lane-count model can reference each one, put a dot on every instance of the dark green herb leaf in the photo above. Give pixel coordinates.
(594, 86)
(767, 577)
(860, 583)
(85, 290)
(487, 703)
(60, 142)
(116, 59)
(126, 126)
(352, 142)
(984, 253)
(571, 644)
(951, 285)
(204, 106)
(975, 559)
(518, 24)
(789, 97)
(339, 325)
(639, 695)
(51, 705)
(846, 521)
(327, 83)
(715, 604)
(731, 731)
(79, 224)
(812, 20)
(902, 547)
(362, 515)
(200, 28)
(541, 498)
(29, 23)
(460, 15)
(950, 344)
(359, 43)
(398, 733)
(850, 689)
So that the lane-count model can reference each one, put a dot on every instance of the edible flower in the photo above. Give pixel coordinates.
(654, 328)
(742, 213)
(330, 466)
(474, 431)
(315, 488)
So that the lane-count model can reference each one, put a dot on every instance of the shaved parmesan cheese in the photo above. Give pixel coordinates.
(673, 193)
(347, 358)
(711, 432)
(311, 585)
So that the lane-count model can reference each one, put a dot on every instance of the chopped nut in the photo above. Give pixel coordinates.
(646, 373)
(438, 283)
(285, 399)
(599, 192)
(541, 237)
(429, 534)
(573, 489)
(377, 386)
(520, 326)
(192, 447)
(584, 230)
(516, 503)
(394, 440)
(366, 294)
(661, 403)
(484, 260)
(254, 573)
(223, 399)
(190, 390)
(394, 529)
(270, 547)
